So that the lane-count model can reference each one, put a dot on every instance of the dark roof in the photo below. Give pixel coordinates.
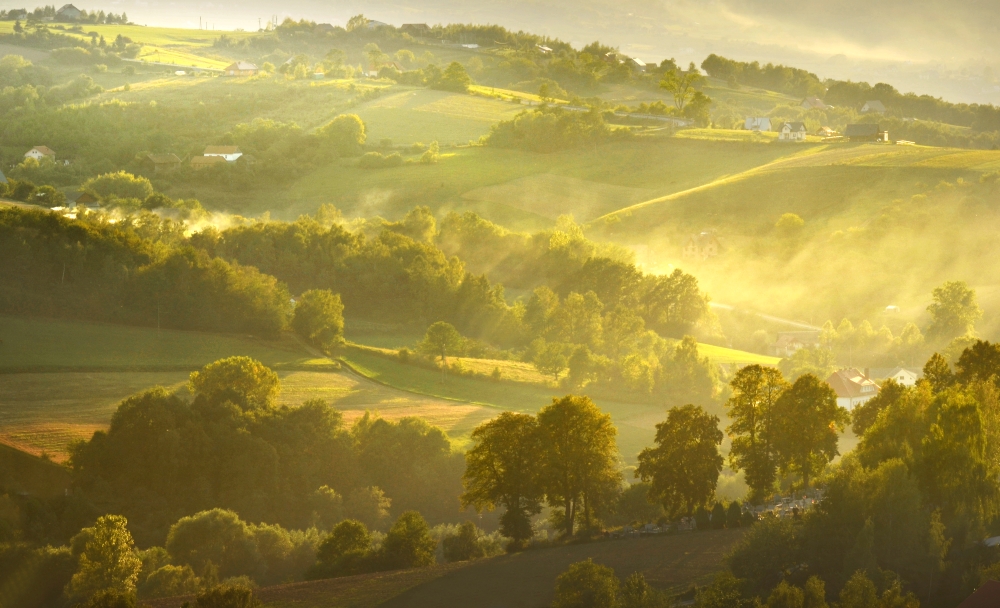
(796, 126)
(861, 130)
(987, 596)
(164, 159)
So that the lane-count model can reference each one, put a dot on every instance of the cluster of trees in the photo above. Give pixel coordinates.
(103, 271)
(566, 456)
(49, 11)
(231, 447)
(772, 77)
(551, 129)
(905, 512)
(586, 584)
(25, 87)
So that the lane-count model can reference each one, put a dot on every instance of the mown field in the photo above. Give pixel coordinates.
(669, 563)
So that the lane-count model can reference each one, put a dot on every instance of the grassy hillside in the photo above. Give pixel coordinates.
(37, 344)
(22, 472)
(670, 563)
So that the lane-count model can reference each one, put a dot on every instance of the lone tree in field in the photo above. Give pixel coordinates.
(501, 469)
(954, 311)
(551, 361)
(579, 463)
(441, 340)
(755, 390)
(805, 427)
(246, 382)
(319, 319)
(681, 85)
(684, 466)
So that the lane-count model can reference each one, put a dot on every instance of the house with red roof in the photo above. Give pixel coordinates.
(853, 387)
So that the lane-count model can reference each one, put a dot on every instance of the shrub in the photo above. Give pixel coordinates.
(408, 543)
(376, 160)
(120, 184)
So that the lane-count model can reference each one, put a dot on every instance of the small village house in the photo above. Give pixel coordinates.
(790, 342)
(757, 123)
(792, 131)
(826, 132)
(374, 25)
(81, 197)
(701, 246)
(241, 68)
(907, 376)
(229, 153)
(853, 387)
(160, 163)
(866, 132)
(873, 107)
(814, 103)
(203, 162)
(40, 152)
(68, 12)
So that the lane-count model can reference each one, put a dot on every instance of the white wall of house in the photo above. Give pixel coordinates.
(849, 403)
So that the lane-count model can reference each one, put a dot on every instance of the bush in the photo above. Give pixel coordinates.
(319, 319)
(376, 160)
(408, 543)
(120, 185)
(228, 596)
(464, 545)
(587, 585)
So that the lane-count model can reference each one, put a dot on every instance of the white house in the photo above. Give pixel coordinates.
(230, 153)
(874, 107)
(852, 387)
(40, 152)
(754, 123)
(793, 131)
(904, 376)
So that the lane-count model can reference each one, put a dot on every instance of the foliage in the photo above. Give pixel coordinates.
(578, 465)
(805, 428)
(344, 135)
(453, 78)
(954, 311)
(345, 551)
(441, 339)
(119, 185)
(319, 319)
(501, 470)
(684, 466)
(408, 543)
(774, 77)
(108, 561)
(239, 380)
(551, 129)
(228, 596)
(465, 545)
(587, 585)
(751, 406)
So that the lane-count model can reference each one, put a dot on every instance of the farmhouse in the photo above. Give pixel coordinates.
(789, 342)
(203, 162)
(161, 162)
(81, 197)
(852, 387)
(241, 68)
(753, 123)
(229, 153)
(873, 107)
(701, 246)
(865, 132)
(907, 376)
(793, 131)
(40, 152)
(68, 12)
(814, 103)
(826, 132)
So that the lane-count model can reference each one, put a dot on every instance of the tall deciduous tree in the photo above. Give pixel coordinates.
(805, 426)
(319, 318)
(441, 339)
(954, 311)
(755, 390)
(681, 85)
(501, 469)
(684, 466)
(579, 463)
(109, 561)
